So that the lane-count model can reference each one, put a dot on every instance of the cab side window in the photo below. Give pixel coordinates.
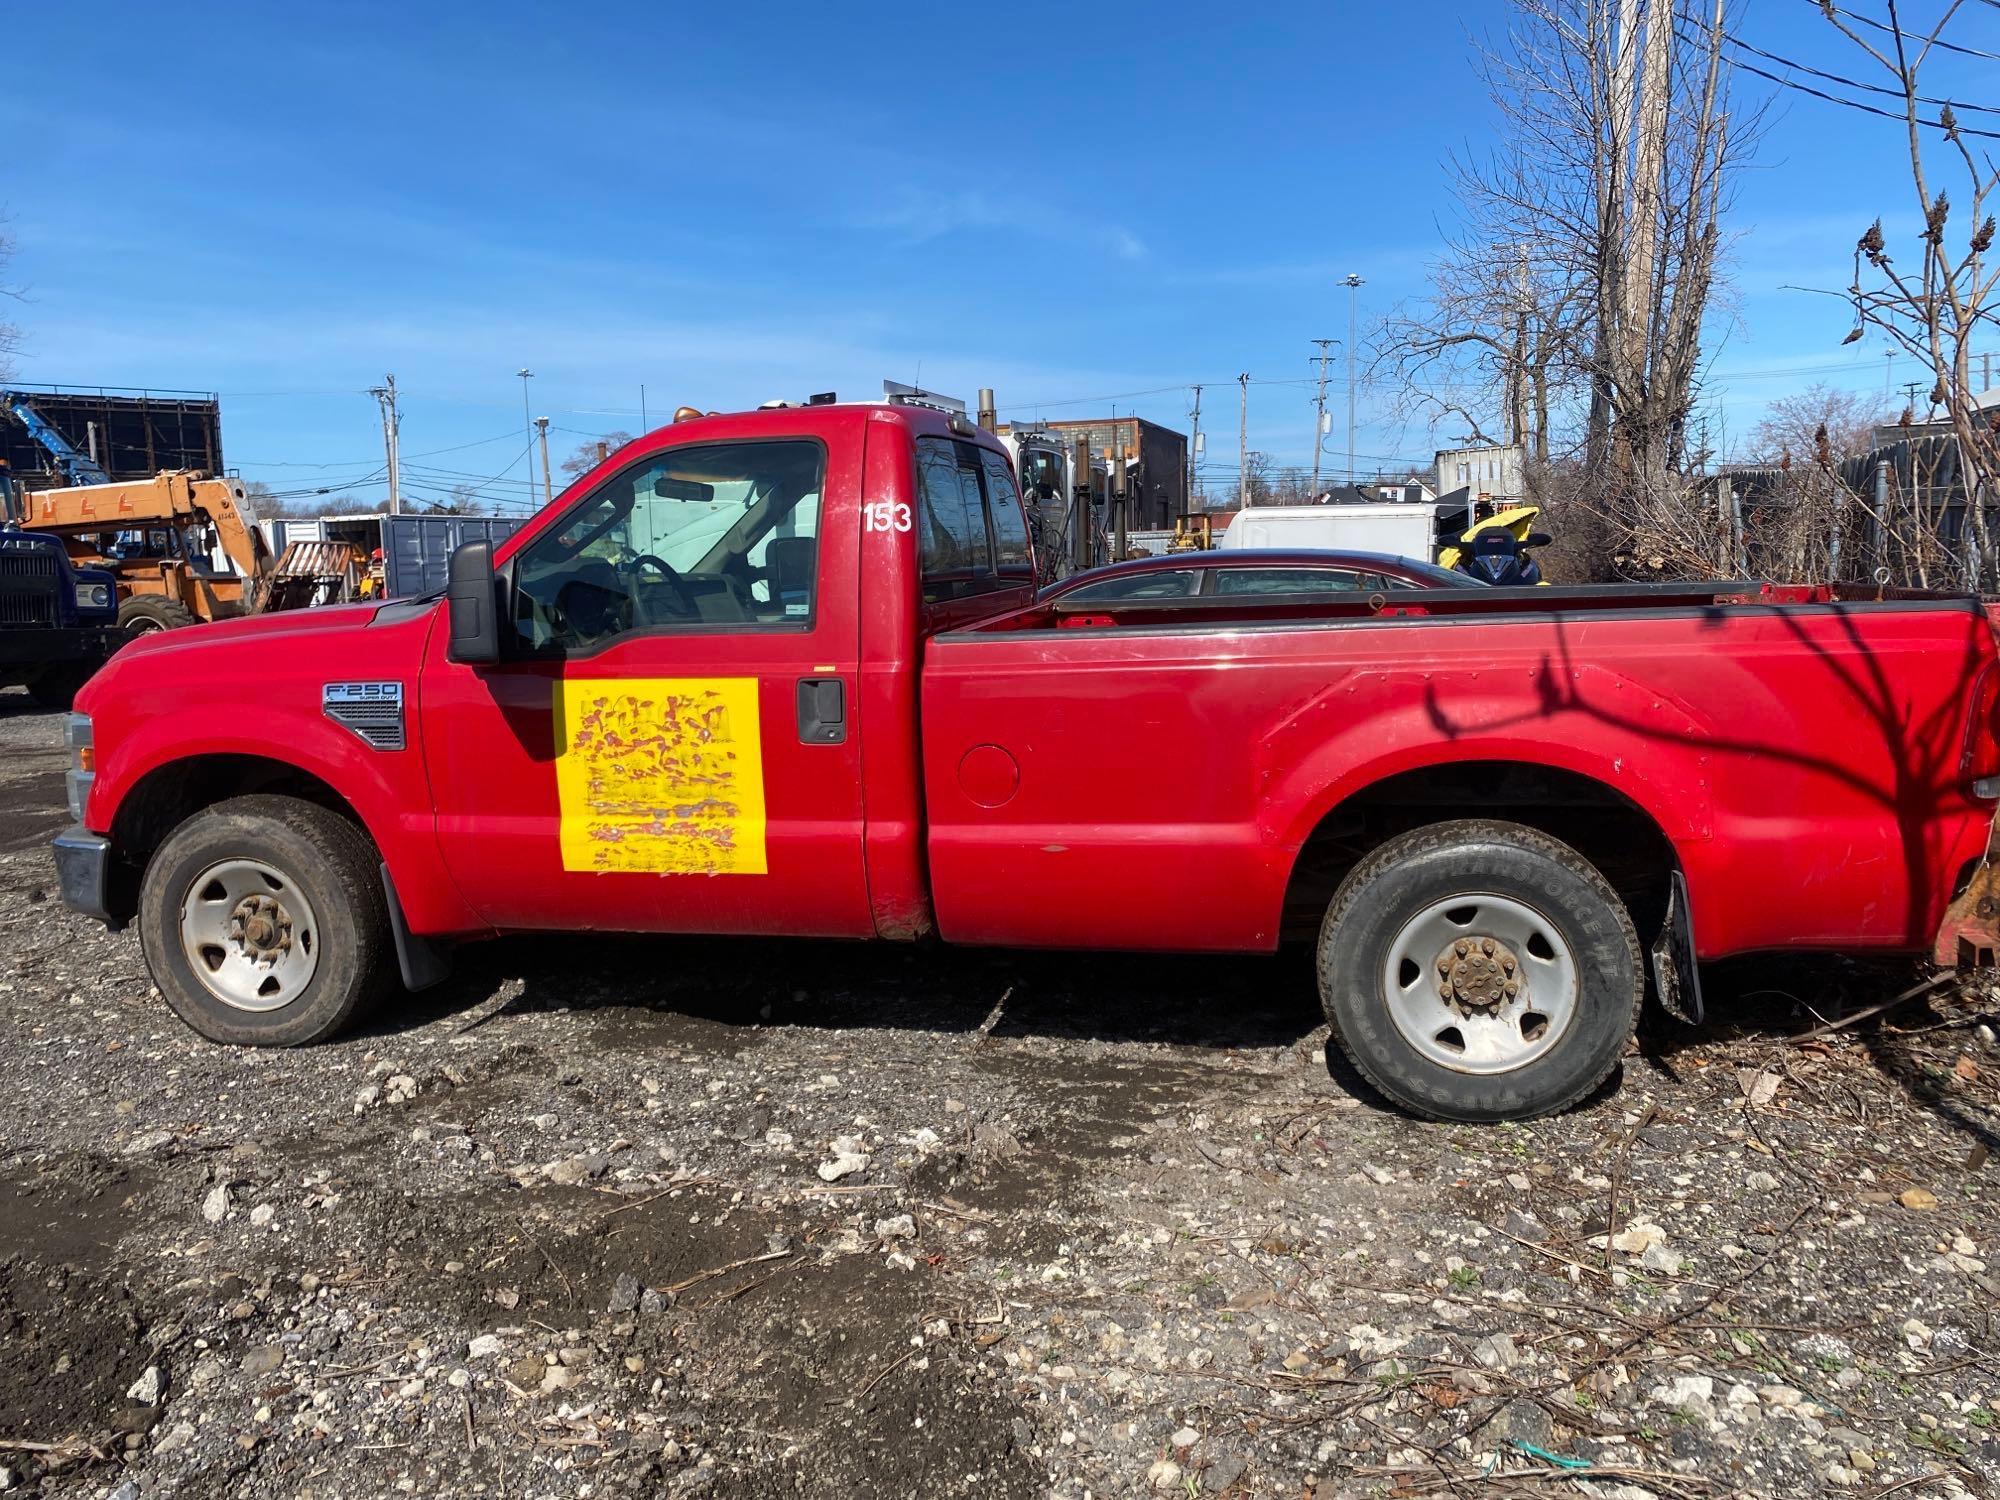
(973, 534)
(722, 536)
(1011, 556)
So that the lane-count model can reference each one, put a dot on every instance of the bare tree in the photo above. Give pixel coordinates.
(587, 456)
(1494, 341)
(1258, 487)
(1570, 313)
(1818, 422)
(1934, 309)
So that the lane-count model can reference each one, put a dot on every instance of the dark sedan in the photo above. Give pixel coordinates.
(1222, 575)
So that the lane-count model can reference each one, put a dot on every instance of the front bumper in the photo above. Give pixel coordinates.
(83, 868)
(40, 647)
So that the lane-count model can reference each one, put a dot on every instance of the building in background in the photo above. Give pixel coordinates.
(1157, 472)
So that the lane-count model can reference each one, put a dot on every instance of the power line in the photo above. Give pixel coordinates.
(1913, 36)
(1853, 83)
(1871, 109)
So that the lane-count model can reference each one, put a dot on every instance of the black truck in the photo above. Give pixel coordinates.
(58, 623)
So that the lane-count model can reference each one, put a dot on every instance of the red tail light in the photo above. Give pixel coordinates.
(1980, 760)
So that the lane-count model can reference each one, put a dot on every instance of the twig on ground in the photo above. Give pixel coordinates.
(1915, 991)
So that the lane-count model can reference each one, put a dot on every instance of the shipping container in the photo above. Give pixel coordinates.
(416, 548)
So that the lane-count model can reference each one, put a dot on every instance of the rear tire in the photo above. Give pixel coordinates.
(264, 923)
(144, 613)
(1436, 1028)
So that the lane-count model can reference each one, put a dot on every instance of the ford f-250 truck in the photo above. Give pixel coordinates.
(782, 672)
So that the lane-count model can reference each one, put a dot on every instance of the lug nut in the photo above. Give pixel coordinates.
(1512, 987)
(1461, 947)
(1486, 945)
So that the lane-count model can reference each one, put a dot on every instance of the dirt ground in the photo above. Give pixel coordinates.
(760, 1219)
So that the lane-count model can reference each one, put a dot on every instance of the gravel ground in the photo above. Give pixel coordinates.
(755, 1219)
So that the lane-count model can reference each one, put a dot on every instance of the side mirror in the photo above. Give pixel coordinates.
(473, 600)
(1537, 539)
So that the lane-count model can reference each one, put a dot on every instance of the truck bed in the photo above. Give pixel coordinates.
(1153, 771)
(1208, 611)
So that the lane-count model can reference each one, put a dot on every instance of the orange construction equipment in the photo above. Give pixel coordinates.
(155, 535)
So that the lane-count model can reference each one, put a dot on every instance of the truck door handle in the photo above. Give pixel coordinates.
(822, 711)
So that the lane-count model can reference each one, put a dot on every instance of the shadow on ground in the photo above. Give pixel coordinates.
(1223, 1002)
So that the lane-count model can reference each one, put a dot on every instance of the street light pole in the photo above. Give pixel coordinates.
(527, 417)
(542, 432)
(1353, 284)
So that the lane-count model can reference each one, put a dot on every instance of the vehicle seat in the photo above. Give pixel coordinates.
(789, 562)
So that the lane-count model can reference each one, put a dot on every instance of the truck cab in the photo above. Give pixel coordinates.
(58, 623)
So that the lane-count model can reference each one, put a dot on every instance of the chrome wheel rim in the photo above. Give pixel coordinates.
(1480, 983)
(249, 934)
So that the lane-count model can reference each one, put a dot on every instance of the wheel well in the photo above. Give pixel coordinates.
(166, 797)
(1603, 825)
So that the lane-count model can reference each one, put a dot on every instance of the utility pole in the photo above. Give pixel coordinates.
(392, 422)
(1319, 408)
(1910, 389)
(542, 433)
(1353, 284)
(1243, 444)
(1888, 370)
(642, 410)
(1194, 454)
(528, 457)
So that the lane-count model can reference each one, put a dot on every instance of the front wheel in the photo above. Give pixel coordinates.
(142, 614)
(264, 923)
(1480, 971)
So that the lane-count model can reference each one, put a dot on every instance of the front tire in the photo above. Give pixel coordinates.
(264, 923)
(1480, 971)
(144, 613)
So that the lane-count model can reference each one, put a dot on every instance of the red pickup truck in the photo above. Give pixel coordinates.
(783, 672)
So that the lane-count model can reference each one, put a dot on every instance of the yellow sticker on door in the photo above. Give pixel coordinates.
(660, 775)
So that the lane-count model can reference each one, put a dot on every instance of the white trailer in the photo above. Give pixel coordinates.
(1394, 527)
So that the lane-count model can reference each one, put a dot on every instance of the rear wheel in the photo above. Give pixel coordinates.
(264, 923)
(1480, 971)
(143, 613)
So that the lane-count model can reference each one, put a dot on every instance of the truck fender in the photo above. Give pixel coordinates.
(1369, 726)
(378, 787)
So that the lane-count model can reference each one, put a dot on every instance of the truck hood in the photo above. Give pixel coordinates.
(265, 649)
(327, 621)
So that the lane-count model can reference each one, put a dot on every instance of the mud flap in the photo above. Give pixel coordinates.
(423, 963)
(1675, 977)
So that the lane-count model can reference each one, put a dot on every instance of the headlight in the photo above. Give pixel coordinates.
(82, 773)
(93, 596)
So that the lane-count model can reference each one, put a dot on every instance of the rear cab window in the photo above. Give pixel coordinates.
(972, 531)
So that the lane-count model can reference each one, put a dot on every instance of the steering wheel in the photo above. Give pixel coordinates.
(589, 611)
(646, 562)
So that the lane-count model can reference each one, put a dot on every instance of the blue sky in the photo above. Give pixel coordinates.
(1081, 207)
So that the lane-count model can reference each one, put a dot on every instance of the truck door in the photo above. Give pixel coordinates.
(671, 747)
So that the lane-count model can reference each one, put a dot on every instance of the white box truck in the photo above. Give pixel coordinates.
(1392, 526)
